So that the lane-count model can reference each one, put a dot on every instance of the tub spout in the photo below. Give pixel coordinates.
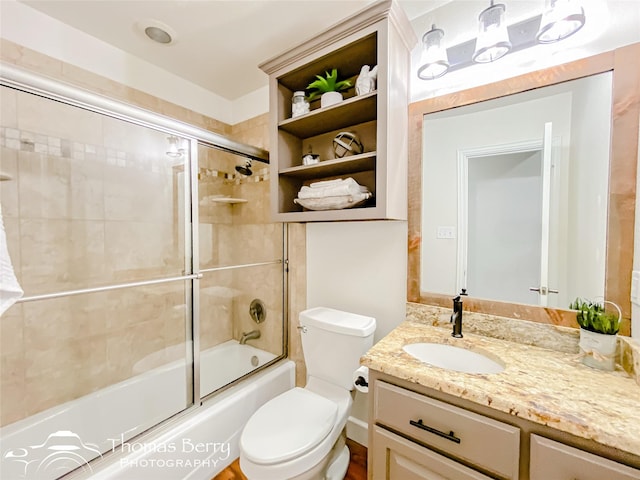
(253, 334)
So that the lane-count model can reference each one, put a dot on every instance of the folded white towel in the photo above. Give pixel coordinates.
(333, 203)
(328, 183)
(10, 290)
(332, 188)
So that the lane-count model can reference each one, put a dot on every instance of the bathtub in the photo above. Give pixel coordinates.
(63, 438)
(228, 361)
(219, 365)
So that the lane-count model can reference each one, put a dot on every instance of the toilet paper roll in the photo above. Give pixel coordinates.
(361, 379)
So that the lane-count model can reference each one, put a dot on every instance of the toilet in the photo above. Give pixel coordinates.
(300, 434)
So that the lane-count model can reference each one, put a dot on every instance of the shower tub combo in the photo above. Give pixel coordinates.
(61, 439)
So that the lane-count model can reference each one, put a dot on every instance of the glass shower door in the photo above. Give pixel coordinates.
(100, 349)
(241, 293)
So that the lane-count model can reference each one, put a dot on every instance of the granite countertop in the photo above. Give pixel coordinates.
(543, 385)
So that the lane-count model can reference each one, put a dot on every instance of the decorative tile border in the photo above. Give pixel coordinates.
(25, 141)
(235, 178)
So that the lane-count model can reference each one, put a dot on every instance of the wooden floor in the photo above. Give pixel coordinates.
(357, 465)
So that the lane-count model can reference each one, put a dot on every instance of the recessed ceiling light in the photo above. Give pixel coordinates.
(158, 34)
(157, 31)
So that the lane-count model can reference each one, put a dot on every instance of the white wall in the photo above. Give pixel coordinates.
(359, 267)
(590, 145)
(25, 26)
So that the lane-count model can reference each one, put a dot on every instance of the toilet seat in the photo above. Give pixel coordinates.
(288, 426)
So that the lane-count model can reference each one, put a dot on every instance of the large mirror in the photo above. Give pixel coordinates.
(526, 187)
(515, 194)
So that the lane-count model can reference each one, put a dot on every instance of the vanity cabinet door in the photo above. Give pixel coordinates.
(551, 460)
(396, 458)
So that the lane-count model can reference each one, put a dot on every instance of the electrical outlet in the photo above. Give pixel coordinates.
(635, 287)
(446, 232)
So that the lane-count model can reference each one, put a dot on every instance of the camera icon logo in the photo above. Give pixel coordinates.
(62, 452)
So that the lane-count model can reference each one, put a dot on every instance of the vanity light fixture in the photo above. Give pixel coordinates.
(493, 38)
(434, 62)
(561, 18)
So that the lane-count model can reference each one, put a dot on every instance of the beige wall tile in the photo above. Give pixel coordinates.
(217, 293)
(35, 115)
(133, 246)
(62, 319)
(91, 81)
(12, 387)
(264, 283)
(27, 58)
(12, 331)
(12, 402)
(256, 127)
(45, 255)
(87, 259)
(45, 186)
(8, 106)
(297, 295)
(87, 190)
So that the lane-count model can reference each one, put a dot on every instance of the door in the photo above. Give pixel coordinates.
(505, 221)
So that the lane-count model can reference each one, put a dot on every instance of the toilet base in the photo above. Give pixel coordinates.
(338, 468)
(333, 467)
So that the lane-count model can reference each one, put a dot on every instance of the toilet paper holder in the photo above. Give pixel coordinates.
(361, 381)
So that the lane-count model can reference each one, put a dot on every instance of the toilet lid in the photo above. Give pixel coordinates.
(287, 426)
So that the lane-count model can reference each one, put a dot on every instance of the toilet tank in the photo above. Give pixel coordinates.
(333, 342)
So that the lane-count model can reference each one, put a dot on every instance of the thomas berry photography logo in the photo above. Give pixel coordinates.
(60, 453)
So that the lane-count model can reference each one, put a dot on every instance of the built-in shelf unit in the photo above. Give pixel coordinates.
(378, 35)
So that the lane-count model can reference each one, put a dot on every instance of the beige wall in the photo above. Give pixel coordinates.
(85, 208)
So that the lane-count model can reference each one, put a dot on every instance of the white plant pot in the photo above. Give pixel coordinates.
(598, 350)
(330, 98)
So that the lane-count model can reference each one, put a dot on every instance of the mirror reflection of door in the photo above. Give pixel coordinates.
(504, 221)
(504, 226)
(512, 245)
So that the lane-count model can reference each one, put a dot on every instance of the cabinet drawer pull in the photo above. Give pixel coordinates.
(449, 436)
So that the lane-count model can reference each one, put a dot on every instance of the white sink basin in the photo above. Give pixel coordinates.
(453, 358)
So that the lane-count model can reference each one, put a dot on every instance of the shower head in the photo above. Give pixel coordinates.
(245, 169)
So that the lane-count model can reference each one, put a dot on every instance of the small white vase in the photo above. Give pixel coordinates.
(330, 98)
(598, 350)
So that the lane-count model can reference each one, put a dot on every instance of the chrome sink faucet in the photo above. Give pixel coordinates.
(253, 334)
(456, 317)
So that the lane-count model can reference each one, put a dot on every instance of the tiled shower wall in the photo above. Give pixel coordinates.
(56, 350)
(235, 234)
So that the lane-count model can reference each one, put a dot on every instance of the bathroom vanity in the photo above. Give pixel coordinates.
(544, 417)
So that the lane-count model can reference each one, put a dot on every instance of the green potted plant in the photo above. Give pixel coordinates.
(328, 87)
(598, 332)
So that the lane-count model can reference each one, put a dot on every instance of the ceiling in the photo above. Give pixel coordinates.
(217, 44)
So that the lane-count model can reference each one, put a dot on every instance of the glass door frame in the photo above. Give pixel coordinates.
(21, 80)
